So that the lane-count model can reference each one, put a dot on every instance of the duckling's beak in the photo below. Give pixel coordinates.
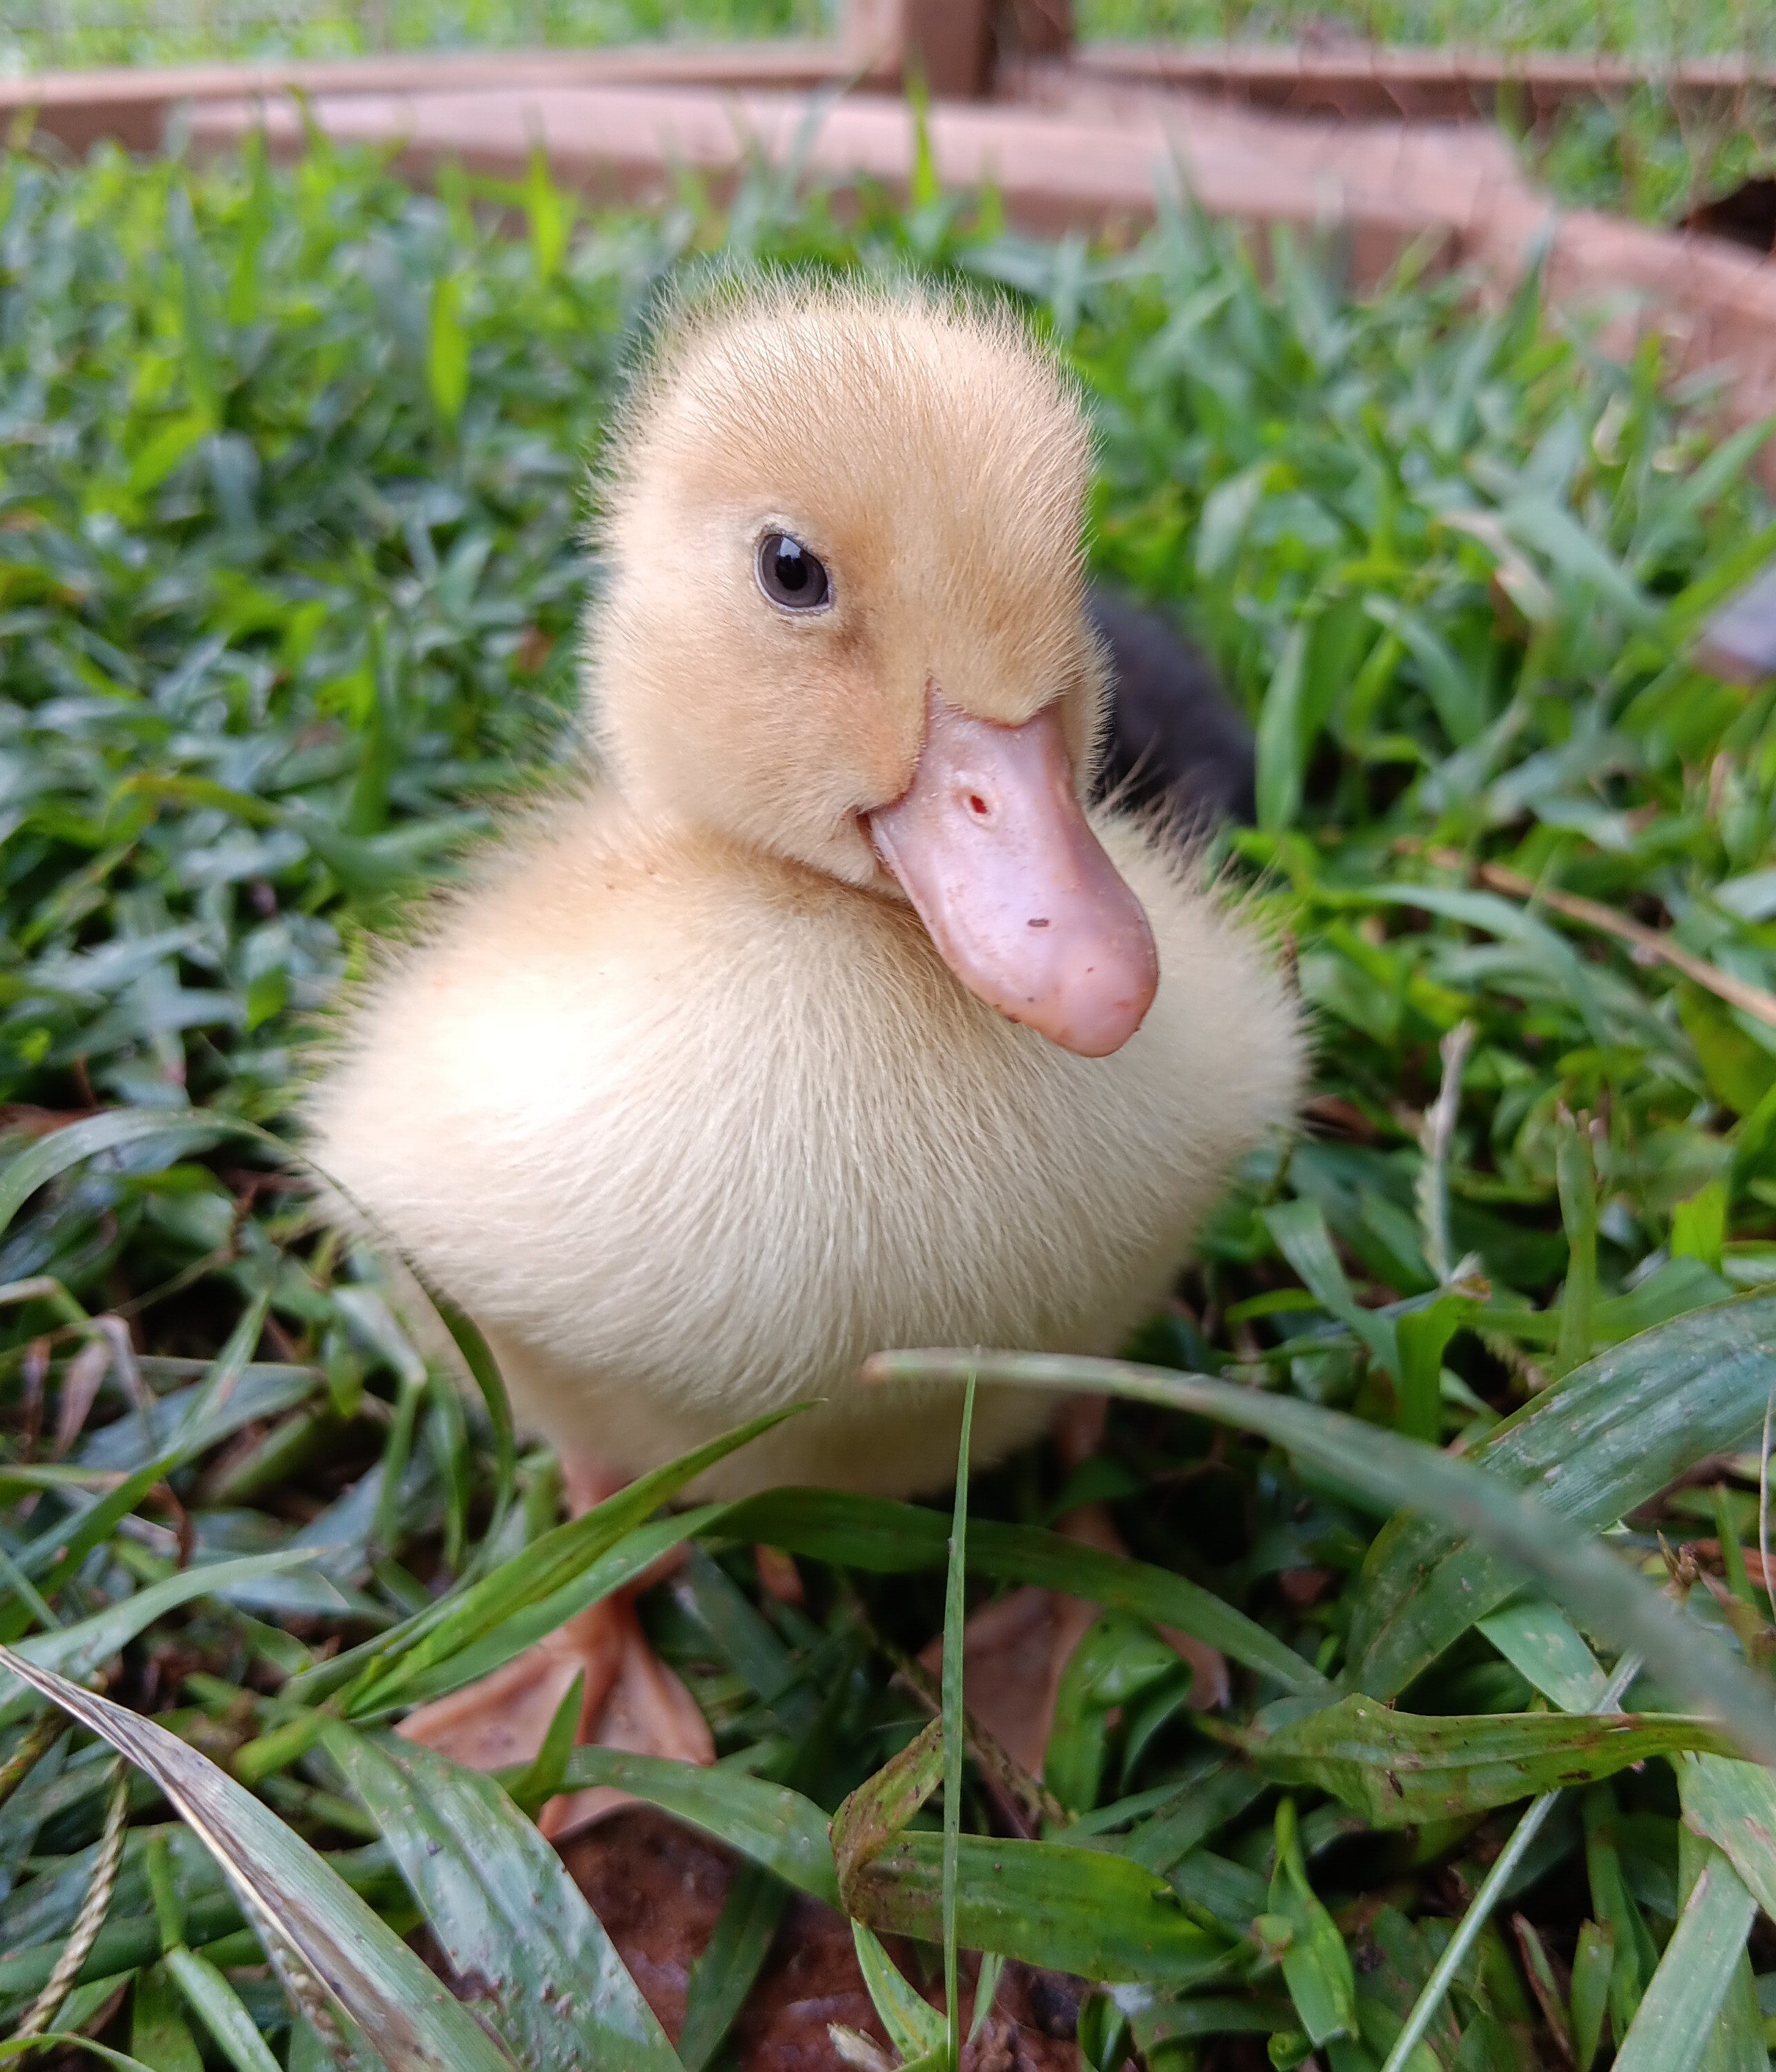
(990, 845)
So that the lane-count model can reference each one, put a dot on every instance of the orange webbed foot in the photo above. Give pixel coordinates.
(630, 1699)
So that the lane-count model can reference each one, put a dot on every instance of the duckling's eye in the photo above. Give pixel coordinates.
(791, 577)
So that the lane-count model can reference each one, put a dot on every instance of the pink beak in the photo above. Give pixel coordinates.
(990, 845)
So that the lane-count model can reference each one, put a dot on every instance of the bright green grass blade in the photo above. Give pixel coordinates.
(217, 2007)
(532, 1787)
(914, 2027)
(724, 1975)
(1401, 1770)
(159, 2034)
(955, 1613)
(1537, 1638)
(61, 1553)
(1086, 1911)
(889, 1538)
(1565, 972)
(1593, 1964)
(89, 1999)
(1734, 1805)
(1097, 1913)
(986, 1989)
(408, 2017)
(1472, 1930)
(1609, 1435)
(1116, 1660)
(1677, 2015)
(122, 1946)
(478, 1357)
(1518, 1530)
(116, 1129)
(78, 1651)
(225, 1371)
(16, 2053)
(633, 1555)
(383, 1670)
(1316, 1966)
(1299, 1228)
(511, 1922)
(57, 1555)
(768, 1824)
(1575, 1170)
(1155, 2022)
(1211, 1794)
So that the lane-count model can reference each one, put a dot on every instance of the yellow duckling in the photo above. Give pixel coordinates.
(827, 1018)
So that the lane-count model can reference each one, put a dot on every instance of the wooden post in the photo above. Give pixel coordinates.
(955, 45)
(1035, 28)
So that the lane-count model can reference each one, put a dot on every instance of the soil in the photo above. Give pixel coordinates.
(658, 1887)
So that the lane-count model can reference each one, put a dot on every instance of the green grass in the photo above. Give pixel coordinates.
(294, 465)
(1652, 28)
(48, 35)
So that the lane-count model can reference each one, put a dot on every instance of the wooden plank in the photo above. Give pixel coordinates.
(1368, 82)
(1054, 173)
(1455, 174)
(131, 106)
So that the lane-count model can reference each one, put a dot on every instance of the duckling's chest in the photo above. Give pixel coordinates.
(741, 1141)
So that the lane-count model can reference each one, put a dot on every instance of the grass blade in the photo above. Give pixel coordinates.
(914, 2027)
(116, 1129)
(218, 2006)
(1537, 1639)
(878, 1811)
(407, 2015)
(723, 1976)
(889, 1538)
(954, 1612)
(1733, 1805)
(1400, 1770)
(383, 1672)
(1396, 1471)
(1493, 1888)
(1086, 1911)
(770, 1824)
(633, 1555)
(76, 1651)
(1678, 2014)
(511, 1922)
(1606, 1437)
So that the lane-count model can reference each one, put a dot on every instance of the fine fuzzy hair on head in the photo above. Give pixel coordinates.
(933, 456)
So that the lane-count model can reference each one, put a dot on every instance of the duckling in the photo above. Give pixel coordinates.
(827, 1016)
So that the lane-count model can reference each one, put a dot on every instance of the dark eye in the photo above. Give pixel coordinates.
(789, 575)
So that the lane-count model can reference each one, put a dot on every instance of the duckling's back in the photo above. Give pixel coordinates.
(691, 1131)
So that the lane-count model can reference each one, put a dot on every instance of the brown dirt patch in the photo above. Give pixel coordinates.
(658, 1887)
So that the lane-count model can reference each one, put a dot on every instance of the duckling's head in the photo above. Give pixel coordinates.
(845, 624)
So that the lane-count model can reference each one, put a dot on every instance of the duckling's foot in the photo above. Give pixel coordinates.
(501, 1720)
(645, 1709)
(630, 1699)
